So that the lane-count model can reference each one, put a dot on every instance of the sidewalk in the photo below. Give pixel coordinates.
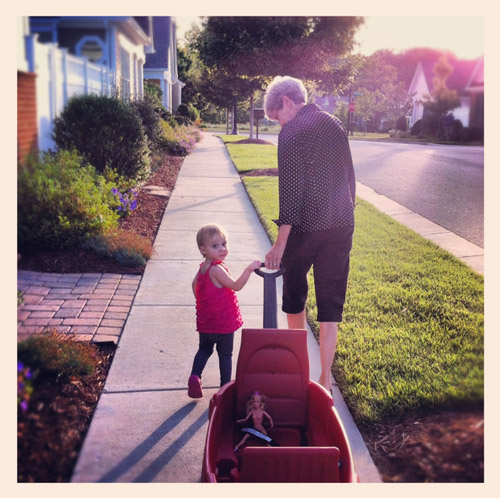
(145, 428)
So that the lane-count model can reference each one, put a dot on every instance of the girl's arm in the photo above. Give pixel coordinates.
(221, 276)
(195, 281)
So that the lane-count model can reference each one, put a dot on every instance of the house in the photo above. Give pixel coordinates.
(27, 127)
(66, 56)
(117, 43)
(161, 62)
(330, 103)
(422, 84)
(475, 88)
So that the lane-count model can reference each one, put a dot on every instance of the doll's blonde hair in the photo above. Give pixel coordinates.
(251, 399)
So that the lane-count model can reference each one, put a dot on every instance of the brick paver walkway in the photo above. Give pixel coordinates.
(92, 306)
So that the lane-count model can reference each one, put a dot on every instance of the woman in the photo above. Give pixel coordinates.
(316, 214)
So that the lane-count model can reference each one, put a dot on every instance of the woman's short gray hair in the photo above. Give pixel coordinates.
(279, 87)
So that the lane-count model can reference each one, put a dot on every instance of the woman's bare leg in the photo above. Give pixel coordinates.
(328, 332)
(296, 320)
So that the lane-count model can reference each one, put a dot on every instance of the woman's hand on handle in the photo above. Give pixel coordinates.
(273, 257)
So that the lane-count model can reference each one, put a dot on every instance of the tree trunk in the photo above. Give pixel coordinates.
(227, 121)
(251, 116)
(235, 116)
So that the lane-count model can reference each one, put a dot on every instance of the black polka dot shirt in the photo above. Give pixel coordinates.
(316, 176)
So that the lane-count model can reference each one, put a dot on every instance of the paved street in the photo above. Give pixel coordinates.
(443, 183)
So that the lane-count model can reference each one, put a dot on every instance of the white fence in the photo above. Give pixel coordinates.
(61, 75)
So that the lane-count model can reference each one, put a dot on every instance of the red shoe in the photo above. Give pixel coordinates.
(194, 387)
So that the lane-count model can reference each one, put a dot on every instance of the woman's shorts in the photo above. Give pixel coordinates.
(328, 252)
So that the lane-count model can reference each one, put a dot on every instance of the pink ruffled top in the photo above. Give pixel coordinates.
(217, 310)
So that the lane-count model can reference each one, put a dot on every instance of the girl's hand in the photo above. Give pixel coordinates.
(254, 265)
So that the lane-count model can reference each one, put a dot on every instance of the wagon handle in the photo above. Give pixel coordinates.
(266, 274)
(270, 301)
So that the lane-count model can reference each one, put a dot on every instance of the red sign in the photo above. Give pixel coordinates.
(352, 107)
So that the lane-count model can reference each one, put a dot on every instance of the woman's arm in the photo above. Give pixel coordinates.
(273, 257)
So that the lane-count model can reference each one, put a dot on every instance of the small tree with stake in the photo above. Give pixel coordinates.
(441, 99)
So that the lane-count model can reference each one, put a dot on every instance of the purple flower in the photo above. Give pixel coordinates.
(114, 191)
(20, 366)
(133, 205)
(24, 405)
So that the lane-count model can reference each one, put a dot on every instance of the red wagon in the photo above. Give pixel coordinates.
(308, 440)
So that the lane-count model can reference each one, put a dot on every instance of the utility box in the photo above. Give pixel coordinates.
(258, 113)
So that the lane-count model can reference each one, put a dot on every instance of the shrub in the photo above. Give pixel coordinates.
(473, 134)
(194, 114)
(457, 130)
(60, 202)
(401, 123)
(388, 125)
(179, 140)
(416, 129)
(20, 297)
(106, 132)
(181, 120)
(182, 110)
(128, 248)
(53, 353)
(147, 108)
(24, 386)
(398, 134)
(431, 125)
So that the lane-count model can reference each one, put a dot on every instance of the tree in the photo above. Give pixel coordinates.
(441, 99)
(258, 48)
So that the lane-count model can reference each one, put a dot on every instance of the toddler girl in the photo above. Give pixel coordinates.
(217, 312)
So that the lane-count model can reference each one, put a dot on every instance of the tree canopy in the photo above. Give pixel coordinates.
(308, 48)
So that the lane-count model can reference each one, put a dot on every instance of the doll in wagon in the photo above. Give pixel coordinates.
(255, 409)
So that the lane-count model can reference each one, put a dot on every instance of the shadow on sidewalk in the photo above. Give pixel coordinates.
(159, 463)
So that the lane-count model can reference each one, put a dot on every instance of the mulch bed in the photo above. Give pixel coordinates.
(145, 220)
(437, 447)
(51, 432)
(255, 141)
(262, 172)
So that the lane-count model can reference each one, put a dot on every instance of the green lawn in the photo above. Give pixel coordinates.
(248, 157)
(412, 335)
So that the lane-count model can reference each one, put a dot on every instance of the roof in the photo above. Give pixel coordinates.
(457, 80)
(162, 35)
(476, 81)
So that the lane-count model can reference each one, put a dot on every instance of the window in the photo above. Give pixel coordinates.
(91, 47)
(125, 73)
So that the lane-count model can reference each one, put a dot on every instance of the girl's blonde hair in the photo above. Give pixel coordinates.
(206, 233)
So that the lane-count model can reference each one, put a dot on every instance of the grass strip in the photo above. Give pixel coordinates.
(249, 157)
(412, 335)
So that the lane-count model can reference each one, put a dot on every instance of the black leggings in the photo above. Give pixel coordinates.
(224, 343)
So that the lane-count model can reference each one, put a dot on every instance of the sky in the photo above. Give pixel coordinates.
(462, 35)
